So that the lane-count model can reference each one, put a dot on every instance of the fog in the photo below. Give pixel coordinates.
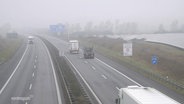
(42, 13)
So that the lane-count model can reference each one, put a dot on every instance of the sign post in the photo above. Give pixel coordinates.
(127, 49)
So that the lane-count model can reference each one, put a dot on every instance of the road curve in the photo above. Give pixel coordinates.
(32, 81)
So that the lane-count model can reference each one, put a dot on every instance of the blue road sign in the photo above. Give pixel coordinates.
(154, 60)
(60, 27)
(57, 28)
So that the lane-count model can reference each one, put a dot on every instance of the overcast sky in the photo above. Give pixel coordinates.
(38, 13)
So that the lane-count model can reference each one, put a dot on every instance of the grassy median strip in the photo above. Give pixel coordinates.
(169, 70)
(8, 47)
(73, 91)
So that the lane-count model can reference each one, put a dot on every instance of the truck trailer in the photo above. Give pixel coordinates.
(142, 95)
(74, 46)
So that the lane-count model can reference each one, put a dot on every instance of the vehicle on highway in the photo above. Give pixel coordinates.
(142, 95)
(88, 52)
(30, 39)
(74, 46)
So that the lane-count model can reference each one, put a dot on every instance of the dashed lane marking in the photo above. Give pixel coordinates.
(104, 76)
(33, 74)
(93, 68)
(2, 89)
(98, 100)
(34, 66)
(117, 88)
(119, 72)
(85, 62)
(30, 86)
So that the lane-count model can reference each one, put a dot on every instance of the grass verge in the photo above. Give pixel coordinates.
(169, 70)
(8, 47)
(72, 90)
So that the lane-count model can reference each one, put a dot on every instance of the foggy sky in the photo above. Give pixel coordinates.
(38, 13)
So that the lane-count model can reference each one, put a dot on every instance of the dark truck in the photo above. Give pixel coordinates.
(88, 52)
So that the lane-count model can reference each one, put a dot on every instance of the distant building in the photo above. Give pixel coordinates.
(12, 35)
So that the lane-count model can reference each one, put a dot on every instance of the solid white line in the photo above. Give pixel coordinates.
(2, 89)
(55, 79)
(93, 68)
(30, 86)
(104, 76)
(98, 100)
(120, 72)
(117, 88)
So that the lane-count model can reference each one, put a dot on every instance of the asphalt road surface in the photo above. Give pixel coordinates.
(32, 80)
(104, 77)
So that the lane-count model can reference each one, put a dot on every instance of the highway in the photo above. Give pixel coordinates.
(32, 80)
(104, 77)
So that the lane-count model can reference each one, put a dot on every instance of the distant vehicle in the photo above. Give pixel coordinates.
(88, 52)
(142, 95)
(74, 46)
(30, 39)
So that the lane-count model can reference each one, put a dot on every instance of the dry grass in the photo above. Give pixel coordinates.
(170, 58)
(8, 47)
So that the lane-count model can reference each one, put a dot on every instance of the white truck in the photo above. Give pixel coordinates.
(74, 46)
(30, 39)
(142, 95)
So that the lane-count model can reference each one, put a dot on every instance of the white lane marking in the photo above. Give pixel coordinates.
(104, 76)
(21, 98)
(36, 57)
(98, 100)
(34, 66)
(63, 53)
(2, 89)
(85, 62)
(70, 100)
(35, 60)
(55, 79)
(26, 103)
(33, 74)
(93, 68)
(117, 88)
(119, 72)
(30, 86)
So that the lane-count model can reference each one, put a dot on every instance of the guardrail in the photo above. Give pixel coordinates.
(72, 91)
(166, 80)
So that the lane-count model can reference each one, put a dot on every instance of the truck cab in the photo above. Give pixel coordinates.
(88, 52)
(30, 39)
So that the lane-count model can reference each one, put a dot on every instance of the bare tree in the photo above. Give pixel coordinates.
(174, 26)
(161, 28)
